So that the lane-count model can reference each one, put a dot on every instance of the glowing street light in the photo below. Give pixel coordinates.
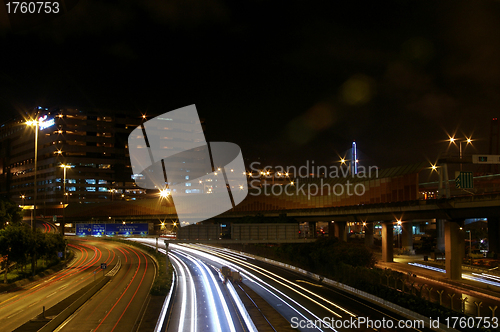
(468, 140)
(164, 193)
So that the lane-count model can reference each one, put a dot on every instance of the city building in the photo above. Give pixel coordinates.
(91, 143)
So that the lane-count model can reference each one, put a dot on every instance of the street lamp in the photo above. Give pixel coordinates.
(348, 162)
(164, 193)
(64, 167)
(460, 140)
(23, 197)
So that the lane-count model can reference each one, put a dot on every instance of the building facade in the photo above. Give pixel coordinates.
(92, 143)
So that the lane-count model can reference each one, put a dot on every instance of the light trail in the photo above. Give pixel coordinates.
(262, 282)
(483, 277)
(181, 278)
(293, 287)
(206, 284)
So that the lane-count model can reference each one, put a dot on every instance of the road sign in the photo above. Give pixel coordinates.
(103, 266)
(464, 180)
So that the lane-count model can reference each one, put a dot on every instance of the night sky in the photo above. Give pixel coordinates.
(288, 81)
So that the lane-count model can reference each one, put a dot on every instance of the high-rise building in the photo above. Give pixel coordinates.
(92, 142)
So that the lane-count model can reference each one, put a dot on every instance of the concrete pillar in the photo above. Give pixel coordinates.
(452, 241)
(331, 229)
(440, 234)
(368, 234)
(312, 229)
(407, 235)
(494, 235)
(387, 241)
(340, 230)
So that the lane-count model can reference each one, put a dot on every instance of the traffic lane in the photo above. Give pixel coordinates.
(190, 307)
(280, 300)
(214, 308)
(217, 302)
(27, 303)
(119, 305)
(333, 302)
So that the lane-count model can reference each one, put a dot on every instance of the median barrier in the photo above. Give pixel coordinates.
(59, 319)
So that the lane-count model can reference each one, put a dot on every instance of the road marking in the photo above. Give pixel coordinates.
(9, 299)
(50, 295)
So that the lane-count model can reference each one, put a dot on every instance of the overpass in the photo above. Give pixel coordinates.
(390, 197)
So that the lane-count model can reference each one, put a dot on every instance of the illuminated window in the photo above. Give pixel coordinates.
(90, 189)
(90, 181)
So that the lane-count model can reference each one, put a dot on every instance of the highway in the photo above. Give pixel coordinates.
(304, 303)
(125, 293)
(19, 306)
(119, 306)
(201, 301)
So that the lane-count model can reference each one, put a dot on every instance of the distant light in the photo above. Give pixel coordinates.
(164, 193)
(452, 139)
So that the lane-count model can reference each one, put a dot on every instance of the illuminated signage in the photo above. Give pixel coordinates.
(44, 123)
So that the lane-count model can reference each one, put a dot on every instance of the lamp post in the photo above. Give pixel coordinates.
(460, 140)
(34, 123)
(470, 246)
(399, 230)
(64, 167)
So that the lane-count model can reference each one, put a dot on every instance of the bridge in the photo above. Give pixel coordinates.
(390, 197)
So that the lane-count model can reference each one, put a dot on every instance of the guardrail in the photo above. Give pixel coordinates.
(353, 291)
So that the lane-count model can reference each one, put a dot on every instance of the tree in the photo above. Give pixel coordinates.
(14, 242)
(9, 212)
